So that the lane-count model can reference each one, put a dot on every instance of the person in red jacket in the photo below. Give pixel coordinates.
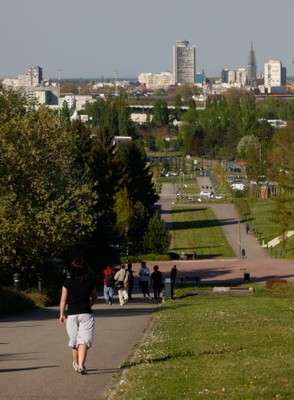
(108, 282)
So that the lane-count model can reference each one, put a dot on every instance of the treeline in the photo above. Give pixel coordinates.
(66, 190)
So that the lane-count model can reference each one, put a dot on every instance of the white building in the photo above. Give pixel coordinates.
(155, 81)
(33, 77)
(241, 76)
(231, 77)
(274, 75)
(184, 62)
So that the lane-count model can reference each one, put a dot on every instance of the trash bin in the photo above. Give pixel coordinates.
(247, 277)
(168, 288)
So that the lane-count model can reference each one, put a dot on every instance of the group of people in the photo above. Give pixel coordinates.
(79, 293)
(123, 281)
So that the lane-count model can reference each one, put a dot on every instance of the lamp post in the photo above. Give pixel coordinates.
(127, 244)
(39, 276)
(16, 279)
(240, 241)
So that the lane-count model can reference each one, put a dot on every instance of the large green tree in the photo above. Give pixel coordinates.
(46, 198)
(136, 174)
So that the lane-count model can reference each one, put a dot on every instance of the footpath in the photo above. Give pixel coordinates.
(35, 362)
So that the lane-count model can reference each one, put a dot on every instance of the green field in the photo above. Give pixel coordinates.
(198, 230)
(215, 347)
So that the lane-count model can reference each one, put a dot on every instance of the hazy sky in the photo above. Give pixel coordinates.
(92, 38)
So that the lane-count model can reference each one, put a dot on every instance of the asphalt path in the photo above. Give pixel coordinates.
(35, 362)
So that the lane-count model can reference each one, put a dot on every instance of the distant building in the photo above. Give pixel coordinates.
(200, 78)
(155, 81)
(241, 76)
(274, 76)
(44, 95)
(33, 77)
(252, 67)
(228, 76)
(184, 62)
(231, 77)
(225, 75)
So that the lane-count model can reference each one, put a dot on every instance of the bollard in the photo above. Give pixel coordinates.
(16, 279)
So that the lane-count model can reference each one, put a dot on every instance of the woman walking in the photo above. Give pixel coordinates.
(79, 293)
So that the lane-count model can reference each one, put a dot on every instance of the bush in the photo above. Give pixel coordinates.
(275, 283)
(12, 302)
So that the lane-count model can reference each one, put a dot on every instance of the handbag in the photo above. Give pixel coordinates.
(119, 284)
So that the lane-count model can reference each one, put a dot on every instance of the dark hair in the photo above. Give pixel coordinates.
(79, 268)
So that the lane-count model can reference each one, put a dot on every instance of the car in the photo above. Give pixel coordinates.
(238, 186)
(171, 173)
(206, 194)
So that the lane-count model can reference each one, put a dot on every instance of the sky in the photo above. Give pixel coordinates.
(95, 38)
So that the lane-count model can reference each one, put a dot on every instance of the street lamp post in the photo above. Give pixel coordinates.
(240, 241)
(127, 245)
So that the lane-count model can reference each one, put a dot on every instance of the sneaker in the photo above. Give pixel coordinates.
(75, 367)
(83, 370)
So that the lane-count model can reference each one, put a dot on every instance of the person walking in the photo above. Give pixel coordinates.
(156, 281)
(79, 293)
(173, 277)
(144, 273)
(131, 281)
(108, 282)
(122, 278)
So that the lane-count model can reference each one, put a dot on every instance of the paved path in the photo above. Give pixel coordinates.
(35, 362)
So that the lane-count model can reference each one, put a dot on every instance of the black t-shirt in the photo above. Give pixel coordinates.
(78, 296)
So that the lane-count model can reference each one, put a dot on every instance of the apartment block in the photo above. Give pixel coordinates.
(184, 62)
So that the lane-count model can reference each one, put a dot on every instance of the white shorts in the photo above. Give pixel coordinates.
(80, 329)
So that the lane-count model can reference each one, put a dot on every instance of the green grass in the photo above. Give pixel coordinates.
(216, 347)
(261, 218)
(199, 230)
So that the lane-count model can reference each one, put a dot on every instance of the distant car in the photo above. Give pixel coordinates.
(205, 194)
(171, 173)
(238, 186)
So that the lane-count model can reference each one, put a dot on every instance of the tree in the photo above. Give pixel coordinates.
(246, 143)
(281, 157)
(160, 113)
(157, 238)
(46, 199)
(101, 160)
(135, 174)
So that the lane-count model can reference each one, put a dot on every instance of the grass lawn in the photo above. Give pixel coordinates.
(216, 347)
(261, 218)
(199, 230)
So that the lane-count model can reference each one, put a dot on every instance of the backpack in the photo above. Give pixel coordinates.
(109, 280)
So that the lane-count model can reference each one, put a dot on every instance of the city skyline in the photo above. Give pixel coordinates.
(90, 40)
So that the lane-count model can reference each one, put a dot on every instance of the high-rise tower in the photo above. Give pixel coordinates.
(252, 67)
(184, 62)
